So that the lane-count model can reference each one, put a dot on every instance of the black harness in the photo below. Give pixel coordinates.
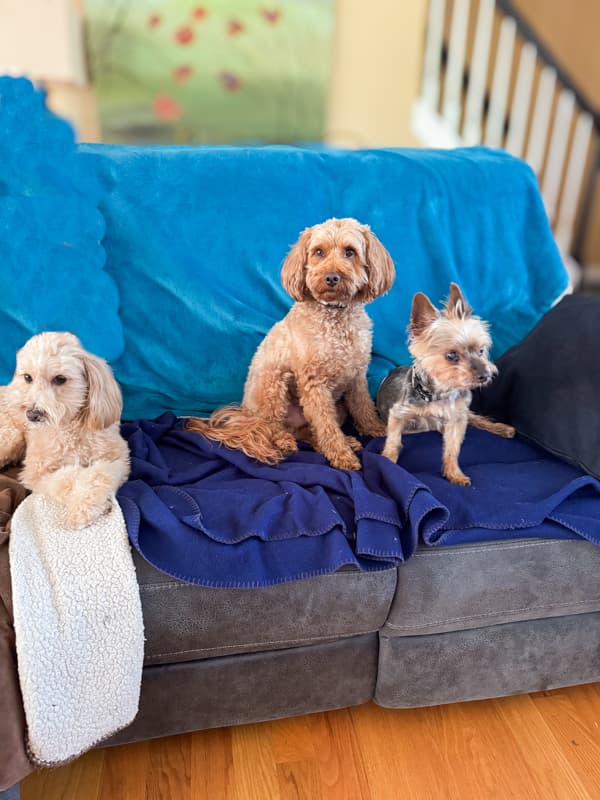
(420, 390)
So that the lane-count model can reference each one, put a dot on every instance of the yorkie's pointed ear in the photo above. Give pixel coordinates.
(422, 313)
(457, 306)
(293, 272)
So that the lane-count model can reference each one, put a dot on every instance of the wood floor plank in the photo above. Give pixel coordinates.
(254, 769)
(125, 772)
(76, 781)
(212, 765)
(168, 776)
(339, 756)
(291, 740)
(400, 753)
(573, 716)
(299, 780)
(539, 751)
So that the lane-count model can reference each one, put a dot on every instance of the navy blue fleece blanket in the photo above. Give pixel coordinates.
(517, 491)
(210, 515)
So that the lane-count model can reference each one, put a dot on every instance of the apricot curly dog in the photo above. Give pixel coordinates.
(311, 368)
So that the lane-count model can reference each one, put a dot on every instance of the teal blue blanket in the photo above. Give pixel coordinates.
(195, 238)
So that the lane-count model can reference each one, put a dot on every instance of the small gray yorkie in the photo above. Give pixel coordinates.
(450, 352)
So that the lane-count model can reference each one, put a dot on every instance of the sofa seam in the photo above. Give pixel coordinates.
(188, 585)
(334, 636)
(461, 550)
(488, 614)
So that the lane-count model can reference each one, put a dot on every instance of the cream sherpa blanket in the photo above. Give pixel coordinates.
(79, 629)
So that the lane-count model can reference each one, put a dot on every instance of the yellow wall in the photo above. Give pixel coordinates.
(571, 30)
(376, 70)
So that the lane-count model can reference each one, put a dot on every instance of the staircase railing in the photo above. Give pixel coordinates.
(488, 79)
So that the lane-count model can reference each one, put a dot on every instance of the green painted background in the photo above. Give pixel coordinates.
(215, 72)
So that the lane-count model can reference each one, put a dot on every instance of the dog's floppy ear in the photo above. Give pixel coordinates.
(422, 313)
(380, 267)
(293, 277)
(456, 305)
(104, 402)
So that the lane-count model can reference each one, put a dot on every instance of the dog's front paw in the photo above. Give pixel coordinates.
(353, 443)
(345, 459)
(286, 443)
(392, 452)
(458, 478)
(80, 517)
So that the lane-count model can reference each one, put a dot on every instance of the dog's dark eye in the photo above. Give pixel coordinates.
(58, 380)
(319, 252)
(481, 351)
(349, 252)
(27, 378)
(452, 355)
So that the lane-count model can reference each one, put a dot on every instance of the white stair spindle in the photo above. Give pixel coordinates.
(456, 63)
(521, 104)
(433, 53)
(494, 129)
(541, 116)
(558, 149)
(478, 73)
(573, 180)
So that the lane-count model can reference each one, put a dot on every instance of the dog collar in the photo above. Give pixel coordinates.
(332, 305)
(419, 388)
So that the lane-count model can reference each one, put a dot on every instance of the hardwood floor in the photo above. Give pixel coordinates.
(544, 746)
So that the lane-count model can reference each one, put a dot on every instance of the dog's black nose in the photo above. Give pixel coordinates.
(332, 279)
(34, 414)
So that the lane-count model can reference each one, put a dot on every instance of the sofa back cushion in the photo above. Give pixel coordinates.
(51, 257)
(195, 239)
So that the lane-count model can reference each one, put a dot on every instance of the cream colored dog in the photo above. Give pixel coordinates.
(60, 417)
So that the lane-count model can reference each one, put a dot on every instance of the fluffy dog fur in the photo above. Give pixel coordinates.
(450, 351)
(310, 370)
(60, 416)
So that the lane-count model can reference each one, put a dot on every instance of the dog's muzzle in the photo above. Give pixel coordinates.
(35, 414)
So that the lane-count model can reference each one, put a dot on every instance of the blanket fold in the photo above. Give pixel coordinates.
(518, 491)
(209, 515)
(79, 629)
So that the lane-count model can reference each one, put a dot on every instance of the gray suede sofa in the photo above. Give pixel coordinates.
(452, 624)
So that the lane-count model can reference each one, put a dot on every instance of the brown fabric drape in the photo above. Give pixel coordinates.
(14, 764)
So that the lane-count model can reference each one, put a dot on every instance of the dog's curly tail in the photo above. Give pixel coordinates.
(240, 429)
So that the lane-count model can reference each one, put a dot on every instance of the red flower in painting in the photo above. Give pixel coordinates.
(234, 27)
(230, 81)
(166, 108)
(153, 20)
(272, 15)
(181, 74)
(199, 13)
(184, 35)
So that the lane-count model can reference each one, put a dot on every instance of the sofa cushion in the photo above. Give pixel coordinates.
(184, 622)
(472, 586)
(195, 239)
(549, 384)
(52, 273)
(497, 660)
(253, 687)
